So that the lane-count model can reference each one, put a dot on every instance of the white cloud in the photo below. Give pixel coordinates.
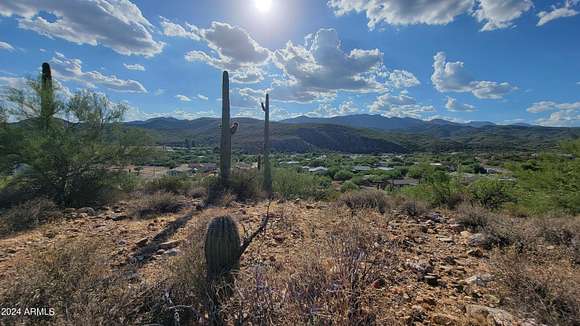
(500, 13)
(136, 114)
(159, 92)
(327, 110)
(544, 106)
(565, 115)
(320, 68)
(117, 24)
(71, 69)
(565, 11)
(454, 106)
(404, 12)
(403, 79)
(570, 118)
(453, 77)
(136, 66)
(202, 97)
(182, 98)
(401, 105)
(6, 46)
(175, 30)
(232, 49)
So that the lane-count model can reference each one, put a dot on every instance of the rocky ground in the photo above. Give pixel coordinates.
(442, 272)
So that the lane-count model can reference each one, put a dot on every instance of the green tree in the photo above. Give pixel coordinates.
(77, 161)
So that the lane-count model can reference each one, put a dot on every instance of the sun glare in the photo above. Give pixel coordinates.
(263, 5)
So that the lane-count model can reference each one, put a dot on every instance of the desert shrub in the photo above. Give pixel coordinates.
(365, 199)
(490, 193)
(73, 278)
(473, 216)
(551, 183)
(413, 207)
(348, 186)
(244, 186)
(172, 184)
(289, 183)
(27, 215)
(343, 175)
(443, 190)
(160, 202)
(541, 286)
(329, 285)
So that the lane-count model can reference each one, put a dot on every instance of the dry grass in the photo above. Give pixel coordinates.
(365, 199)
(413, 207)
(473, 217)
(541, 285)
(148, 205)
(27, 215)
(74, 280)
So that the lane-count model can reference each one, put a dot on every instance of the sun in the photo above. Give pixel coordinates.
(263, 5)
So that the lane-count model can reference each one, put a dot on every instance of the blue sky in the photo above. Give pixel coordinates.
(504, 61)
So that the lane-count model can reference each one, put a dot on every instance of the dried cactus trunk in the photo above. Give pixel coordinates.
(259, 159)
(47, 108)
(222, 247)
(227, 132)
(267, 185)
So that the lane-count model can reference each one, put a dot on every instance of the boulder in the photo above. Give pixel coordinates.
(482, 315)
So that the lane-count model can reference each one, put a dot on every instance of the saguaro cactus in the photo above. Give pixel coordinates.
(227, 132)
(222, 248)
(47, 108)
(267, 185)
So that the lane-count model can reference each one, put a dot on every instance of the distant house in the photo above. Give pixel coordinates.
(495, 170)
(182, 170)
(290, 163)
(400, 183)
(361, 168)
(243, 166)
(436, 164)
(384, 168)
(318, 170)
(203, 167)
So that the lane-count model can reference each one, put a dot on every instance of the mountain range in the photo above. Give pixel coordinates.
(360, 134)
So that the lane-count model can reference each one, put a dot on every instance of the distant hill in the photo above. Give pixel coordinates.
(380, 122)
(381, 135)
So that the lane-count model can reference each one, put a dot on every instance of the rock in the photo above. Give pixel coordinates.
(480, 280)
(421, 267)
(309, 206)
(279, 238)
(69, 210)
(170, 244)
(10, 250)
(379, 283)
(489, 316)
(83, 215)
(141, 242)
(119, 217)
(444, 319)
(475, 253)
(172, 252)
(418, 313)
(456, 227)
(480, 240)
(446, 240)
(87, 210)
(431, 279)
(121, 242)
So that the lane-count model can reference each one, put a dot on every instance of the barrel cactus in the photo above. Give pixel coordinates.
(222, 248)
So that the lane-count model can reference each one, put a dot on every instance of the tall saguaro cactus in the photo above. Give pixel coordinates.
(47, 108)
(267, 185)
(227, 132)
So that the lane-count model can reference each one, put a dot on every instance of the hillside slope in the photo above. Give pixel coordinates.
(417, 136)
